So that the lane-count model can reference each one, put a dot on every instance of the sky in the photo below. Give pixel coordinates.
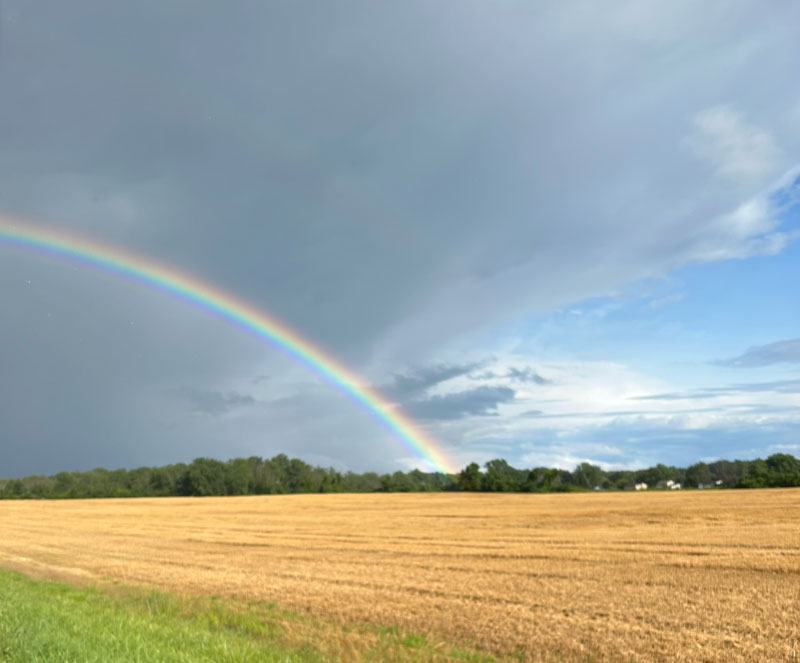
(547, 232)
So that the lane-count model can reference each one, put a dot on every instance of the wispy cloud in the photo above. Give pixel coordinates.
(776, 386)
(779, 352)
(674, 396)
(524, 374)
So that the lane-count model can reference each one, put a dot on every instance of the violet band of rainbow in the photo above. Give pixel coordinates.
(188, 288)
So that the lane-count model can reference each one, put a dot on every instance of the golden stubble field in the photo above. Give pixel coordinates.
(694, 576)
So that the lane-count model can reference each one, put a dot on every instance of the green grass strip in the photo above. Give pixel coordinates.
(49, 622)
(55, 623)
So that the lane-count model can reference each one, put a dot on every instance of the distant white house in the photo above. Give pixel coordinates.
(665, 484)
(640, 486)
(675, 486)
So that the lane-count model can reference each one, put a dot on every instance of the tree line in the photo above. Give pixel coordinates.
(283, 475)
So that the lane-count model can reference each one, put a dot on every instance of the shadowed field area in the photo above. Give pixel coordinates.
(694, 576)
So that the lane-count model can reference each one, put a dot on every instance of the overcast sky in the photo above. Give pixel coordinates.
(552, 233)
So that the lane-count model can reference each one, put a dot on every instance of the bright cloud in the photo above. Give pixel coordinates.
(734, 148)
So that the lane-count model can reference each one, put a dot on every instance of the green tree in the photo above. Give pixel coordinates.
(368, 482)
(238, 477)
(697, 474)
(783, 464)
(587, 475)
(757, 475)
(500, 477)
(299, 478)
(723, 470)
(652, 475)
(204, 476)
(138, 481)
(14, 489)
(470, 478)
(330, 481)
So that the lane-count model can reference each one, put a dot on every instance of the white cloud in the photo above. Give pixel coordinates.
(585, 399)
(750, 229)
(734, 148)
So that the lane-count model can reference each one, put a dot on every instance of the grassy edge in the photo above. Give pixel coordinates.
(43, 620)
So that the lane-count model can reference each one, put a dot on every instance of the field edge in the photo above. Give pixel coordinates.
(42, 619)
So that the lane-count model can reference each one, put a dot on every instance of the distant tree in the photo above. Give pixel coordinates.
(783, 464)
(723, 470)
(553, 480)
(139, 481)
(39, 486)
(330, 481)
(500, 477)
(565, 480)
(64, 483)
(587, 475)
(238, 477)
(299, 477)
(281, 474)
(14, 489)
(368, 482)
(652, 475)
(204, 476)
(618, 479)
(442, 481)
(741, 469)
(399, 482)
(470, 478)
(697, 474)
(266, 477)
(534, 480)
(757, 475)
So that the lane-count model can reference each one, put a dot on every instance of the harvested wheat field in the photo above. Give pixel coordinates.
(694, 576)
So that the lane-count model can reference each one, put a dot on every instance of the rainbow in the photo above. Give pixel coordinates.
(205, 296)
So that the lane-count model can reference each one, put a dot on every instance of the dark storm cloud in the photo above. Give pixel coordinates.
(786, 352)
(215, 403)
(307, 163)
(412, 392)
(478, 402)
(413, 384)
(388, 179)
